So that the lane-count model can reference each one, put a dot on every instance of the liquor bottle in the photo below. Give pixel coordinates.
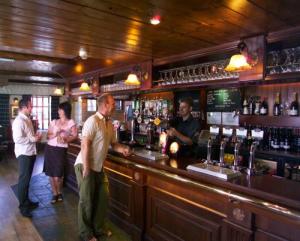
(294, 107)
(245, 107)
(264, 107)
(251, 106)
(276, 107)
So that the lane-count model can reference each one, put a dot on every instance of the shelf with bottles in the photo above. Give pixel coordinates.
(272, 108)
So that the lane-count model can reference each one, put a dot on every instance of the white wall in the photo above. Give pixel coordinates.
(27, 89)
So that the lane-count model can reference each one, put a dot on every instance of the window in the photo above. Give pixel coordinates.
(91, 105)
(41, 111)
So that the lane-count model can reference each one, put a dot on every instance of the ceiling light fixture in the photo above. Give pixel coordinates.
(243, 61)
(83, 53)
(155, 20)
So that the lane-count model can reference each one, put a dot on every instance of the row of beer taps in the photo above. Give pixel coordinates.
(250, 169)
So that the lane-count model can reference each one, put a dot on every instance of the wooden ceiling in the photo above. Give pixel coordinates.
(44, 36)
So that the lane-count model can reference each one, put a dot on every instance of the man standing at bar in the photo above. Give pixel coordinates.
(25, 149)
(97, 136)
(185, 127)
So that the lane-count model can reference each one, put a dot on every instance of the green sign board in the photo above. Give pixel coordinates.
(223, 100)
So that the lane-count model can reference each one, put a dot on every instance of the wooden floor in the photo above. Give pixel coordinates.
(13, 226)
(49, 222)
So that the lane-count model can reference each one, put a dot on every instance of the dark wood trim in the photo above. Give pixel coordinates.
(223, 48)
(276, 121)
(283, 34)
(28, 57)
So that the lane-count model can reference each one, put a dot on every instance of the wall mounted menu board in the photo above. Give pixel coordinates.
(223, 100)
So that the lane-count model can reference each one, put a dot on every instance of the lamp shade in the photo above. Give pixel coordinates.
(132, 79)
(238, 63)
(85, 87)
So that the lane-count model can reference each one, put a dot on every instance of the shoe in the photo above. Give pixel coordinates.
(26, 213)
(54, 199)
(33, 205)
(60, 197)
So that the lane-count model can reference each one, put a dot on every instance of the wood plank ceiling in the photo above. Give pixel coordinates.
(45, 36)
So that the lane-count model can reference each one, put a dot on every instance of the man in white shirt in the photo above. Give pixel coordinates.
(97, 136)
(25, 149)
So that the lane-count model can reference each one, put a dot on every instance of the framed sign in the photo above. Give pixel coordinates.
(14, 111)
(223, 100)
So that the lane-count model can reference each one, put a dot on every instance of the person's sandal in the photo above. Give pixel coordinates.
(60, 197)
(54, 199)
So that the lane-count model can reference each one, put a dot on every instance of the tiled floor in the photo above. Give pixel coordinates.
(49, 222)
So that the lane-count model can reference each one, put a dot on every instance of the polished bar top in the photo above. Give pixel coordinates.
(269, 190)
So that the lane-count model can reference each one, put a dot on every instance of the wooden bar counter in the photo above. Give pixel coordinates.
(161, 200)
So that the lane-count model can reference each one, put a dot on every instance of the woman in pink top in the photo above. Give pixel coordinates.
(60, 133)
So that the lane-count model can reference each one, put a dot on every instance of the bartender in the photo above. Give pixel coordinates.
(184, 128)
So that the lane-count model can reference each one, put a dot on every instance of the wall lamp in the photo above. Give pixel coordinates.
(243, 61)
(58, 91)
(135, 77)
(85, 86)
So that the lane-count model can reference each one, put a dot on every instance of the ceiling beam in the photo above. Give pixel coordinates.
(22, 73)
(35, 82)
(29, 57)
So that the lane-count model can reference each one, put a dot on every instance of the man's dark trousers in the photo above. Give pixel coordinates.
(26, 164)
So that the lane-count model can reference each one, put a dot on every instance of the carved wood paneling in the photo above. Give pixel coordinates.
(264, 236)
(171, 219)
(234, 232)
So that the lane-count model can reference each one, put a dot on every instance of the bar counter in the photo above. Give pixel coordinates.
(161, 200)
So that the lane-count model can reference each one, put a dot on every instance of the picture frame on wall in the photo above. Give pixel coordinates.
(14, 111)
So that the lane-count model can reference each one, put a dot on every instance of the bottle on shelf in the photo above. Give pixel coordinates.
(251, 106)
(287, 139)
(245, 107)
(275, 139)
(257, 107)
(264, 109)
(282, 133)
(294, 107)
(277, 105)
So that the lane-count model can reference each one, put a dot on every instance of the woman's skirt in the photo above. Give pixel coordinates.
(55, 161)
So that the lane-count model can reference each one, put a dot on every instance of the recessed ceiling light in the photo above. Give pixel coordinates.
(155, 20)
(6, 60)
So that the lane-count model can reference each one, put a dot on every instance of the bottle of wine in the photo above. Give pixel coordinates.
(251, 106)
(264, 109)
(276, 107)
(257, 107)
(276, 139)
(294, 107)
(245, 107)
(287, 139)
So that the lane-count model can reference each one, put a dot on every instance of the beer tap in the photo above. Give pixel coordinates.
(236, 155)
(222, 150)
(251, 169)
(208, 158)
(132, 125)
